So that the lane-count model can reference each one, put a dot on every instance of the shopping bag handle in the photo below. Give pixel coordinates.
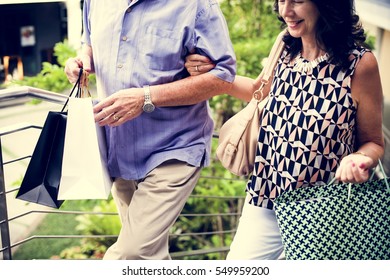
(383, 173)
(371, 177)
(78, 85)
(83, 90)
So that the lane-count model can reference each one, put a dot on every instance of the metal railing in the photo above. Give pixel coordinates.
(19, 95)
(13, 96)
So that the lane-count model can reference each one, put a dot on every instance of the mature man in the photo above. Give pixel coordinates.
(157, 118)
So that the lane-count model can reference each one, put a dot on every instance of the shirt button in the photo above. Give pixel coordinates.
(128, 10)
(124, 38)
(120, 65)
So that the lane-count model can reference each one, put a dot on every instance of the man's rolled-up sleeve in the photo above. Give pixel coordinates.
(212, 40)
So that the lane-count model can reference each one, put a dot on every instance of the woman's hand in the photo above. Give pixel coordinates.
(197, 64)
(354, 168)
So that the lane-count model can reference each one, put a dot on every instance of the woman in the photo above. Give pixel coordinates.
(323, 118)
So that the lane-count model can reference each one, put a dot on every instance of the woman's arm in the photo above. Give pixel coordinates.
(242, 88)
(367, 93)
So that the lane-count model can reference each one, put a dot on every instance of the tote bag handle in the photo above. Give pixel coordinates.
(382, 170)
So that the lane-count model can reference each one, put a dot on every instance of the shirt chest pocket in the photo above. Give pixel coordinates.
(161, 49)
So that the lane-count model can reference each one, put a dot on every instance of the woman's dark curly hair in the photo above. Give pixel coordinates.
(338, 30)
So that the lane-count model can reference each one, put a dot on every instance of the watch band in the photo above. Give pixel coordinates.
(148, 106)
(147, 94)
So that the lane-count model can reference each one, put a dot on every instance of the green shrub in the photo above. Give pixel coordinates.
(52, 76)
(94, 224)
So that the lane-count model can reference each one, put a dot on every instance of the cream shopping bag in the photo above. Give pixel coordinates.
(84, 166)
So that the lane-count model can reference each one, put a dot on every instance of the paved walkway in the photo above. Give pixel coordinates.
(17, 145)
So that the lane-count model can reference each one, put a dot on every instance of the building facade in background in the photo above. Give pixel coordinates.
(29, 30)
(375, 15)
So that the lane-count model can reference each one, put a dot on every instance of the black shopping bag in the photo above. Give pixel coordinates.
(42, 179)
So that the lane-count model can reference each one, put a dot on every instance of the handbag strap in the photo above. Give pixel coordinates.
(270, 65)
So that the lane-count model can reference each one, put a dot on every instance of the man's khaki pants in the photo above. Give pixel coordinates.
(148, 208)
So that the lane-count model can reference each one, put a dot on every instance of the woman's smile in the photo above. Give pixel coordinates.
(294, 24)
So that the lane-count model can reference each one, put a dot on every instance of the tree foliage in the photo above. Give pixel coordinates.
(52, 76)
(253, 27)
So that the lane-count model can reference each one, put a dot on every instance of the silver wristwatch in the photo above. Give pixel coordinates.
(148, 105)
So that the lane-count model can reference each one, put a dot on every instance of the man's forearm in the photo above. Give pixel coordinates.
(189, 91)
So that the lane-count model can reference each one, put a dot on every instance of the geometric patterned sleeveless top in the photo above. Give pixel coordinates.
(307, 127)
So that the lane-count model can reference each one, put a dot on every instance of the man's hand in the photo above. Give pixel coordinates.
(74, 64)
(120, 107)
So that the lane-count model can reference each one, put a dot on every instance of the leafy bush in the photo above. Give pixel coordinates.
(101, 224)
(253, 27)
(88, 249)
(94, 224)
(52, 225)
(52, 76)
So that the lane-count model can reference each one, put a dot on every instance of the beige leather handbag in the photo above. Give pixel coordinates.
(238, 136)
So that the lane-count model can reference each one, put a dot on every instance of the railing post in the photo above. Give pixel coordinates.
(4, 226)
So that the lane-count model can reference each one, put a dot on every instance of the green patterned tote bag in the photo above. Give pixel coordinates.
(336, 221)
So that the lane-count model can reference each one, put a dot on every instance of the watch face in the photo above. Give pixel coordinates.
(148, 107)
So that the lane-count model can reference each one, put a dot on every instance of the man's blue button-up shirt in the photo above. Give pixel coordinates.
(145, 42)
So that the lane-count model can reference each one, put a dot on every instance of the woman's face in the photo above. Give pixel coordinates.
(301, 17)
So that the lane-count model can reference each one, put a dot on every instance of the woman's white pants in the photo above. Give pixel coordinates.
(258, 235)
